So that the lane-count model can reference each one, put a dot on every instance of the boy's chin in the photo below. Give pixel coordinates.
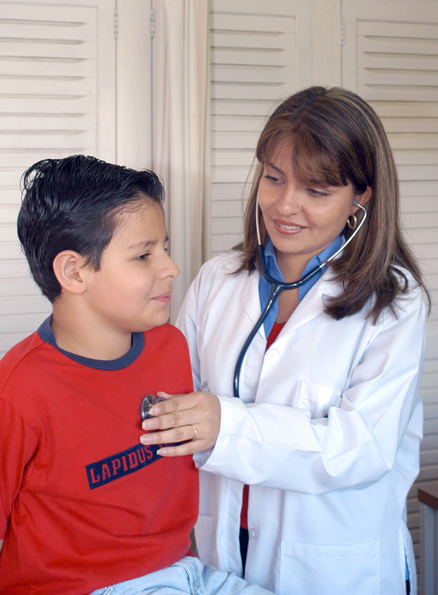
(158, 321)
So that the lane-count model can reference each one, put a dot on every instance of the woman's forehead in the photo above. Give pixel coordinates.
(308, 164)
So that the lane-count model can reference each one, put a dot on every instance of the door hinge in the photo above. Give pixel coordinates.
(152, 22)
(116, 23)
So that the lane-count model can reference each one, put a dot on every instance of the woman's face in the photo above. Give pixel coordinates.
(302, 220)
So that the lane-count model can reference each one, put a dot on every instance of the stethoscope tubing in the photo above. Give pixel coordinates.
(276, 288)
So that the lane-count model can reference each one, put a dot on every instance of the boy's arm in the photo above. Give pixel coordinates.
(18, 443)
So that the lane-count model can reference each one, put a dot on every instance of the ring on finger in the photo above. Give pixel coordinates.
(195, 432)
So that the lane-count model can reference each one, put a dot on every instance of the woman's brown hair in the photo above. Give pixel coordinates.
(334, 137)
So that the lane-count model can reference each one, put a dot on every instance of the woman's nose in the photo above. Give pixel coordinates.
(289, 202)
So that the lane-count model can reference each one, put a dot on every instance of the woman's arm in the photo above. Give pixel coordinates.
(356, 444)
(378, 418)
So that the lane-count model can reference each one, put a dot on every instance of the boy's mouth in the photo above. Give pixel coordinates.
(164, 297)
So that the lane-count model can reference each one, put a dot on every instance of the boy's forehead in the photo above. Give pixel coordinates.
(141, 224)
(141, 213)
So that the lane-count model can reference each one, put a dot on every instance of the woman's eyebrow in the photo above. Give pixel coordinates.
(272, 166)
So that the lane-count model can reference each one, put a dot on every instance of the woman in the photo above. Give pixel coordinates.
(327, 428)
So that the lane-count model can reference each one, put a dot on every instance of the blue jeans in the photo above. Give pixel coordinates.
(186, 577)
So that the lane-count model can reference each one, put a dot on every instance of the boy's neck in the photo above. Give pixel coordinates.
(76, 334)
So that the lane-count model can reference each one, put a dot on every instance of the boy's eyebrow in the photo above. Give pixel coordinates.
(146, 244)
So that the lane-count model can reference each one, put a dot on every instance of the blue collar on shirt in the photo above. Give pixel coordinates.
(46, 333)
(274, 271)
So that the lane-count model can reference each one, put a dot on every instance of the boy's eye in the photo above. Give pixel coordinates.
(143, 256)
(167, 246)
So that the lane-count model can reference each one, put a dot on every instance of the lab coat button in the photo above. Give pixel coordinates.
(274, 354)
(252, 533)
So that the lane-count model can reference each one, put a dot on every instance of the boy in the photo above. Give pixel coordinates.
(83, 505)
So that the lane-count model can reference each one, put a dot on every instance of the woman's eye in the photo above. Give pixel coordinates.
(315, 192)
(272, 179)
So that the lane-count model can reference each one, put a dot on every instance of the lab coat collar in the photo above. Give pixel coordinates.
(274, 270)
(250, 296)
(314, 303)
(310, 307)
(246, 287)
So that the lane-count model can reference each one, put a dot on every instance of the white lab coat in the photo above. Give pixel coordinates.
(326, 433)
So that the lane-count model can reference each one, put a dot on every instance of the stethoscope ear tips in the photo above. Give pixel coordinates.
(357, 204)
(145, 406)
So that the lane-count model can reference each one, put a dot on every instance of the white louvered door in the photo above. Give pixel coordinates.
(57, 98)
(390, 58)
(254, 65)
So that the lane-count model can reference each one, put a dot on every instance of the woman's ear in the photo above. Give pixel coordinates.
(363, 198)
(67, 267)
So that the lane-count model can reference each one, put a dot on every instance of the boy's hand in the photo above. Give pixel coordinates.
(193, 419)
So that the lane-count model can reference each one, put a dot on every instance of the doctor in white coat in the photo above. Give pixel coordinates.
(304, 478)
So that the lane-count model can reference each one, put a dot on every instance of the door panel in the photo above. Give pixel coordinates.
(254, 65)
(390, 58)
(57, 97)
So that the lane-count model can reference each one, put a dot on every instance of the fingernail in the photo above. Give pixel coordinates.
(162, 452)
(146, 439)
(148, 424)
(155, 410)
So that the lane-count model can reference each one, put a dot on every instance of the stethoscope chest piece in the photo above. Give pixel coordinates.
(145, 406)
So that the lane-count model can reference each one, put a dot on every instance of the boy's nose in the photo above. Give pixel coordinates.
(170, 268)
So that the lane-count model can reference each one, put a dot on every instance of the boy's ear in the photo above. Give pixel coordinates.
(67, 267)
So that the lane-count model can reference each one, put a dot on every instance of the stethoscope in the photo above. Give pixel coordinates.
(278, 286)
(146, 404)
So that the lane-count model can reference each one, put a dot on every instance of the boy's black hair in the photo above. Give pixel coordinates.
(72, 204)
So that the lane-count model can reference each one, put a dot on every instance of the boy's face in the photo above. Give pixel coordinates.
(131, 291)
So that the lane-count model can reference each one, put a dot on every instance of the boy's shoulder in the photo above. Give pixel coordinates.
(18, 354)
(34, 351)
(166, 337)
(166, 330)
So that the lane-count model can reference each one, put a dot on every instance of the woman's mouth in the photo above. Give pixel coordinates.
(289, 228)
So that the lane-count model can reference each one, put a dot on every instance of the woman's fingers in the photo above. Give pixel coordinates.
(193, 419)
(188, 448)
(175, 411)
(179, 434)
(185, 435)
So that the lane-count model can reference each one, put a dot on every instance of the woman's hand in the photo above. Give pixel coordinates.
(193, 419)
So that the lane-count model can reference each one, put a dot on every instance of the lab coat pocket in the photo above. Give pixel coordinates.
(318, 399)
(330, 569)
